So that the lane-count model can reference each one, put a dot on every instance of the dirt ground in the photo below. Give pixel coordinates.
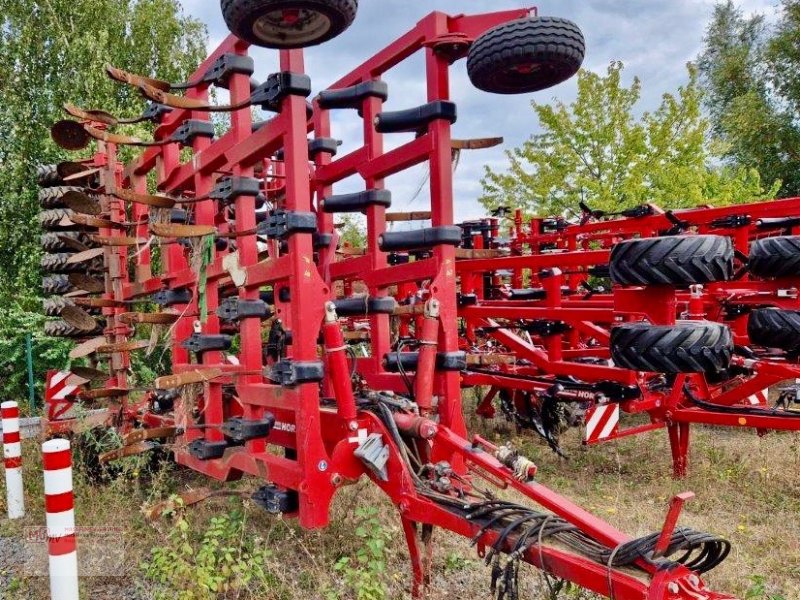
(748, 490)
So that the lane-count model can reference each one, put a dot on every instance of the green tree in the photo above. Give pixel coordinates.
(53, 52)
(751, 73)
(598, 150)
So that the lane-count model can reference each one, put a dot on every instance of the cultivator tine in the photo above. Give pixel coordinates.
(191, 498)
(118, 241)
(97, 222)
(87, 283)
(89, 373)
(104, 393)
(136, 80)
(133, 318)
(146, 199)
(121, 140)
(127, 451)
(85, 256)
(184, 103)
(130, 346)
(172, 230)
(78, 318)
(100, 303)
(91, 116)
(72, 243)
(476, 144)
(173, 382)
(155, 433)
(87, 348)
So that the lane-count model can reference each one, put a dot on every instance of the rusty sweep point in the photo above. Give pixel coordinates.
(86, 283)
(82, 203)
(70, 135)
(97, 116)
(136, 80)
(89, 373)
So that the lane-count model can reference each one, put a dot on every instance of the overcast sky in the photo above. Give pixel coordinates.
(654, 38)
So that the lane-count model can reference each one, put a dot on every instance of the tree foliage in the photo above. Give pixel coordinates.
(598, 150)
(751, 73)
(53, 52)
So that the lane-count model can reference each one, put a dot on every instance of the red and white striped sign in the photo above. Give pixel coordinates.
(12, 459)
(602, 423)
(58, 386)
(760, 398)
(60, 507)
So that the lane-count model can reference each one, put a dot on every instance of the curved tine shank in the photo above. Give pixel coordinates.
(136, 80)
(149, 200)
(98, 116)
(121, 140)
(172, 230)
(182, 102)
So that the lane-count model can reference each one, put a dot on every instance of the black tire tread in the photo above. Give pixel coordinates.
(672, 260)
(547, 40)
(47, 175)
(62, 329)
(775, 328)
(237, 14)
(53, 197)
(57, 285)
(58, 263)
(51, 219)
(686, 347)
(775, 257)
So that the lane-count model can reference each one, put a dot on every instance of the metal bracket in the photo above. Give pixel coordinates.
(226, 65)
(374, 454)
(278, 86)
(233, 309)
(170, 297)
(203, 450)
(191, 129)
(275, 500)
(282, 224)
(228, 189)
(199, 342)
(242, 430)
(289, 373)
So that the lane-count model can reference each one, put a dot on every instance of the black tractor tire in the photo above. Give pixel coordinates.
(58, 263)
(47, 175)
(686, 347)
(526, 55)
(775, 257)
(259, 21)
(63, 329)
(775, 328)
(51, 220)
(57, 285)
(672, 260)
(53, 197)
(55, 242)
(53, 306)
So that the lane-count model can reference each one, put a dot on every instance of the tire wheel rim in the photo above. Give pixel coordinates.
(292, 27)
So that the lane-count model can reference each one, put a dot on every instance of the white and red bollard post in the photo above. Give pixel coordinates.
(60, 506)
(12, 455)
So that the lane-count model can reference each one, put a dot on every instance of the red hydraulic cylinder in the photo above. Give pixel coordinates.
(426, 363)
(339, 373)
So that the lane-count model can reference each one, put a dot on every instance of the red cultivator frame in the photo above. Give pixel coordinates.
(252, 247)
(563, 330)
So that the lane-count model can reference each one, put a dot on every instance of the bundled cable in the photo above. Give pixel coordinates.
(519, 529)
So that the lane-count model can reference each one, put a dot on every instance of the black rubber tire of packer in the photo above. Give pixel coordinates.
(672, 260)
(526, 55)
(686, 347)
(775, 257)
(47, 175)
(62, 329)
(53, 197)
(57, 285)
(318, 21)
(775, 328)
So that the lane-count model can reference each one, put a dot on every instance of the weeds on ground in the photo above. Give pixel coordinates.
(758, 590)
(202, 565)
(363, 574)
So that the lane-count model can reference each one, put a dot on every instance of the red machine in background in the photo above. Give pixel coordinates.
(232, 239)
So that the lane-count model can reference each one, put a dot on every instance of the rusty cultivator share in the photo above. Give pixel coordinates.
(236, 242)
